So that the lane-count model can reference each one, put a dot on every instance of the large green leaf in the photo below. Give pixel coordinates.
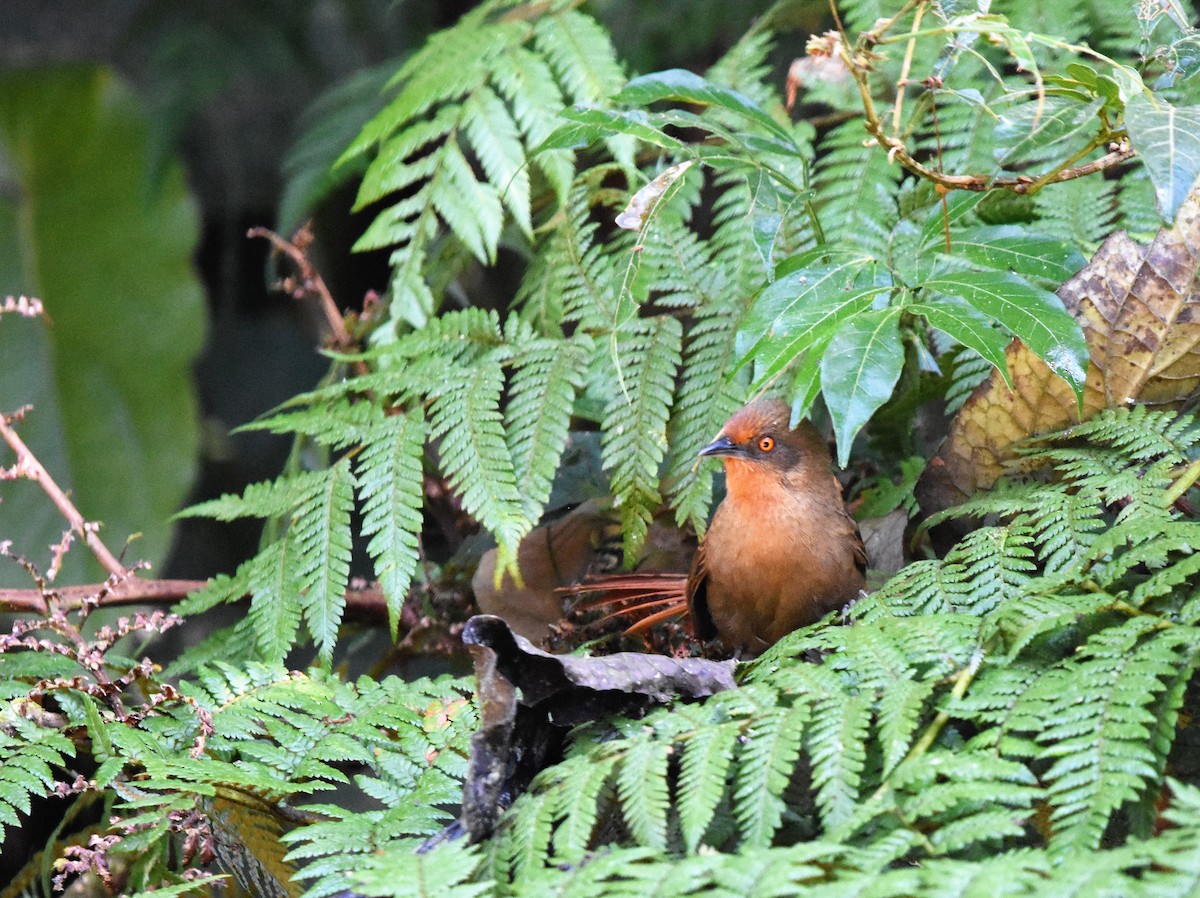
(1037, 129)
(969, 327)
(589, 124)
(859, 369)
(90, 224)
(802, 307)
(1013, 248)
(1168, 140)
(1035, 315)
(681, 85)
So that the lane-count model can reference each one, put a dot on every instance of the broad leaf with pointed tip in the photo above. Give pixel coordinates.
(1168, 140)
(859, 369)
(1035, 315)
(683, 86)
(104, 236)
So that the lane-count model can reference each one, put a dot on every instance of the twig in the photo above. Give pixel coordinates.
(29, 467)
(311, 282)
(368, 603)
(905, 68)
(1184, 483)
(857, 59)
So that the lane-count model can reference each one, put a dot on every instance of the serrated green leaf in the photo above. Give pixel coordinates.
(859, 369)
(969, 327)
(274, 615)
(707, 757)
(538, 415)
(1168, 140)
(495, 138)
(474, 455)
(683, 86)
(1035, 315)
(588, 124)
(642, 786)
(634, 441)
(763, 771)
(1036, 130)
(1013, 248)
(802, 307)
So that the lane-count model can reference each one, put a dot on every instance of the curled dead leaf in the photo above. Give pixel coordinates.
(530, 698)
(1139, 308)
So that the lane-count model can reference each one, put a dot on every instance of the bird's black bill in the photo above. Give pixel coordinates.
(723, 447)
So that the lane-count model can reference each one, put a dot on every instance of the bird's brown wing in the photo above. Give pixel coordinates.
(860, 549)
(697, 596)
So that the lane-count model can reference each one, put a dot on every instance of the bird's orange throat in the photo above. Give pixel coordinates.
(753, 484)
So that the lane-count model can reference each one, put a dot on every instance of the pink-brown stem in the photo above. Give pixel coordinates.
(29, 467)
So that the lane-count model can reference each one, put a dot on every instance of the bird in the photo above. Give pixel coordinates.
(781, 550)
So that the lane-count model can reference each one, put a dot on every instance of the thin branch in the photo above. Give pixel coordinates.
(858, 59)
(905, 68)
(1185, 482)
(311, 282)
(29, 467)
(365, 603)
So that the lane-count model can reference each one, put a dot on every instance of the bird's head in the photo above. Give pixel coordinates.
(757, 440)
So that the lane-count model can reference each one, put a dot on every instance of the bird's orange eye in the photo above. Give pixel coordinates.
(766, 444)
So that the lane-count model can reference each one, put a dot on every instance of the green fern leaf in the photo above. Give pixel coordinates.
(474, 456)
(707, 756)
(642, 788)
(703, 404)
(584, 780)
(527, 84)
(321, 536)
(495, 138)
(545, 378)
(269, 499)
(764, 770)
(857, 187)
(28, 754)
(275, 610)
(1093, 717)
(635, 422)
(900, 711)
(527, 836)
(581, 56)
(836, 742)
(392, 492)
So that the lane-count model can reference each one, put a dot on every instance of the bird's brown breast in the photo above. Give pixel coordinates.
(780, 554)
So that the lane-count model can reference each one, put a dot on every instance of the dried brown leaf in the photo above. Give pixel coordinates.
(1139, 308)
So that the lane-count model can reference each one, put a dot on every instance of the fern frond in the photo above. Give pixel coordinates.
(29, 755)
(857, 189)
(482, 90)
(1080, 211)
(704, 770)
(537, 417)
(836, 742)
(646, 355)
(268, 499)
(391, 488)
(1093, 715)
(466, 418)
(321, 536)
(579, 803)
(764, 769)
(704, 402)
(275, 610)
(642, 788)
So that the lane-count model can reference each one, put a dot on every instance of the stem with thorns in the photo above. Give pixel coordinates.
(28, 466)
